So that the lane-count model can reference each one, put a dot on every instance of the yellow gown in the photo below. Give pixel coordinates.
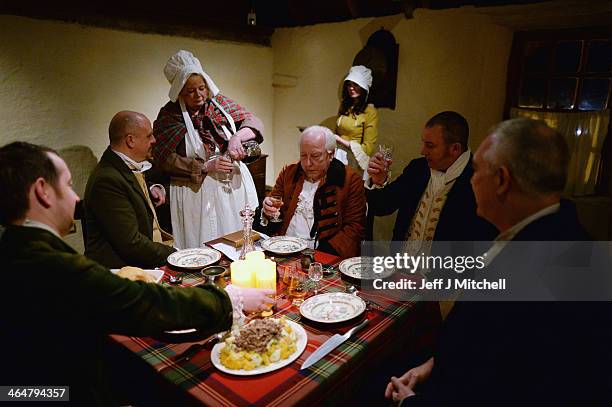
(361, 131)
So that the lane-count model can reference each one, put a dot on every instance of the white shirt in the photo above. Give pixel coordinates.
(303, 218)
(503, 238)
(138, 167)
(34, 224)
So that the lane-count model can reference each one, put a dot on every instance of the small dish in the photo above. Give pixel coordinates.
(213, 271)
(214, 275)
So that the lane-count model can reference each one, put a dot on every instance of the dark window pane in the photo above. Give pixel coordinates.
(594, 94)
(532, 93)
(562, 93)
(537, 57)
(567, 56)
(600, 56)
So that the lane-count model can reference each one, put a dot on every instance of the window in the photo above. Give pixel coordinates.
(564, 77)
(562, 70)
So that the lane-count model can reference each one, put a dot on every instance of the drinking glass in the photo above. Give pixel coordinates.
(226, 178)
(315, 273)
(287, 270)
(387, 153)
(297, 287)
(277, 202)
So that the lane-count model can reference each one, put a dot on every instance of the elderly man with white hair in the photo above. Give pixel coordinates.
(323, 200)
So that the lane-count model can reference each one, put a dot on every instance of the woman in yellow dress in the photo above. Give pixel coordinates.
(357, 123)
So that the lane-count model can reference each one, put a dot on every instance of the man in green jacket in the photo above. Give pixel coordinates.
(59, 306)
(121, 223)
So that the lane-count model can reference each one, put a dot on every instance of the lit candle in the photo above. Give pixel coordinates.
(266, 274)
(255, 255)
(254, 271)
(241, 274)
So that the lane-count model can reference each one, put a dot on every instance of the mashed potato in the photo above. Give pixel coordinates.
(259, 344)
(135, 274)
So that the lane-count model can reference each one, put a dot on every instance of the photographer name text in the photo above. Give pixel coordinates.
(441, 284)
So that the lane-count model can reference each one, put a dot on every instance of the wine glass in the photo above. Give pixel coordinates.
(226, 178)
(277, 202)
(387, 153)
(315, 273)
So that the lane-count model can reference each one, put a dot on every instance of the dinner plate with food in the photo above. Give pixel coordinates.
(261, 346)
(138, 274)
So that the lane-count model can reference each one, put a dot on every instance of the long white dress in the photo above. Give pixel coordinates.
(204, 212)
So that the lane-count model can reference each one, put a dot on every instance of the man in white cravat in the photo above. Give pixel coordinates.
(506, 349)
(433, 195)
(122, 226)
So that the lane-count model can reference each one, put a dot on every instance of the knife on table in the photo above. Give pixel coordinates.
(331, 344)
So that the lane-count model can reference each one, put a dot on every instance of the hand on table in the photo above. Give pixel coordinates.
(256, 299)
(253, 299)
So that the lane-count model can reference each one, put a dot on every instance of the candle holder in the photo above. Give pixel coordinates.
(247, 215)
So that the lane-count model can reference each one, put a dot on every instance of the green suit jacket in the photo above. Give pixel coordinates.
(119, 220)
(60, 306)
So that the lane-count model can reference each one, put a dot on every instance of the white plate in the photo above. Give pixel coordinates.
(302, 340)
(157, 274)
(362, 268)
(194, 258)
(284, 244)
(332, 307)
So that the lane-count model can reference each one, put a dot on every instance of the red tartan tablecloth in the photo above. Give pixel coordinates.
(389, 319)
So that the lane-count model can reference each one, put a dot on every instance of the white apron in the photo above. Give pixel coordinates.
(206, 212)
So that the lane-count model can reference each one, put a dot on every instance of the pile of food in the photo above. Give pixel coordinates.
(135, 274)
(259, 343)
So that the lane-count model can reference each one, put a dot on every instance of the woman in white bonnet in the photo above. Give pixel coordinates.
(193, 131)
(357, 123)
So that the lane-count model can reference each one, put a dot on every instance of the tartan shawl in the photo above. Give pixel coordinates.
(169, 128)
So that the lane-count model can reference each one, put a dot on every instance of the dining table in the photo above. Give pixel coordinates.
(392, 324)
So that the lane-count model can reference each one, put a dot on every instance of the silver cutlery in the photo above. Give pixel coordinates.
(194, 349)
(353, 290)
(331, 344)
(175, 280)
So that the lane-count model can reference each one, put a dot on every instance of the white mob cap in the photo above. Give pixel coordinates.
(178, 69)
(361, 75)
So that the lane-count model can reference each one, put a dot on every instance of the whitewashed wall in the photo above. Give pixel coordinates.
(60, 83)
(448, 60)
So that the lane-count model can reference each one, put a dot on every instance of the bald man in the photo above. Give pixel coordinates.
(122, 227)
